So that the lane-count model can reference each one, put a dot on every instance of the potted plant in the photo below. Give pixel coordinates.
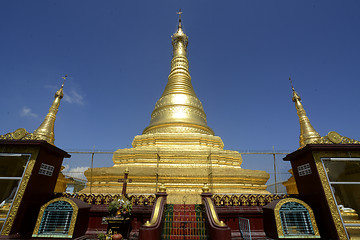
(120, 208)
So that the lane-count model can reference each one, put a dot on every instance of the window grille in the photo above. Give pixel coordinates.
(46, 169)
(56, 219)
(295, 219)
(304, 170)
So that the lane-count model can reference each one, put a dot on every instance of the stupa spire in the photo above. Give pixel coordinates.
(308, 134)
(178, 110)
(179, 80)
(46, 130)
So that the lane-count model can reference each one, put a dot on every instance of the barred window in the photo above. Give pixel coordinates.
(46, 169)
(56, 219)
(304, 170)
(295, 219)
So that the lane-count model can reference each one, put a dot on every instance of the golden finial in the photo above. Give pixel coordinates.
(205, 188)
(292, 86)
(308, 134)
(179, 13)
(46, 130)
(162, 188)
(64, 77)
(179, 39)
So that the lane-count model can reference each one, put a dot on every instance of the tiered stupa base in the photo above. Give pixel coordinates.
(183, 162)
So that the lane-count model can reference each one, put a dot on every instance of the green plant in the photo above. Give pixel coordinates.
(101, 236)
(120, 207)
(113, 207)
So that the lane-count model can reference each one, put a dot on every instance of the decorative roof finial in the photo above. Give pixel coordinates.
(46, 130)
(308, 134)
(179, 12)
(292, 86)
(64, 77)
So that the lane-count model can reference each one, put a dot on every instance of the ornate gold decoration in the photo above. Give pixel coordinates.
(151, 200)
(162, 188)
(308, 134)
(19, 133)
(178, 109)
(205, 188)
(99, 199)
(235, 200)
(41, 213)
(245, 199)
(155, 215)
(261, 200)
(327, 190)
(217, 199)
(20, 193)
(279, 227)
(336, 138)
(213, 213)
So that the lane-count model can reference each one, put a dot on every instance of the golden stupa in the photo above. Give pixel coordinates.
(177, 149)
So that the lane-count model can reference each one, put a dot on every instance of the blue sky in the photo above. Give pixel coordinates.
(241, 54)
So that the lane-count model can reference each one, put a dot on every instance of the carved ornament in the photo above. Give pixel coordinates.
(19, 134)
(335, 138)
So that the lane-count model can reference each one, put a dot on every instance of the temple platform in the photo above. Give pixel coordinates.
(183, 163)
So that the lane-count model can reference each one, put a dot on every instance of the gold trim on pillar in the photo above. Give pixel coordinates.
(279, 226)
(41, 213)
(156, 213)
(20, 193)
(328, 194)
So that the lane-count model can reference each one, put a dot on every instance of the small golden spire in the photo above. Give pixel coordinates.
(179, 40)
(162, 188)
(179, 110)
(46, 130)
(205, 188)
(308, 134)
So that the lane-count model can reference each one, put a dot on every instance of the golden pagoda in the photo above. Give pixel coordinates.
(177, 149)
